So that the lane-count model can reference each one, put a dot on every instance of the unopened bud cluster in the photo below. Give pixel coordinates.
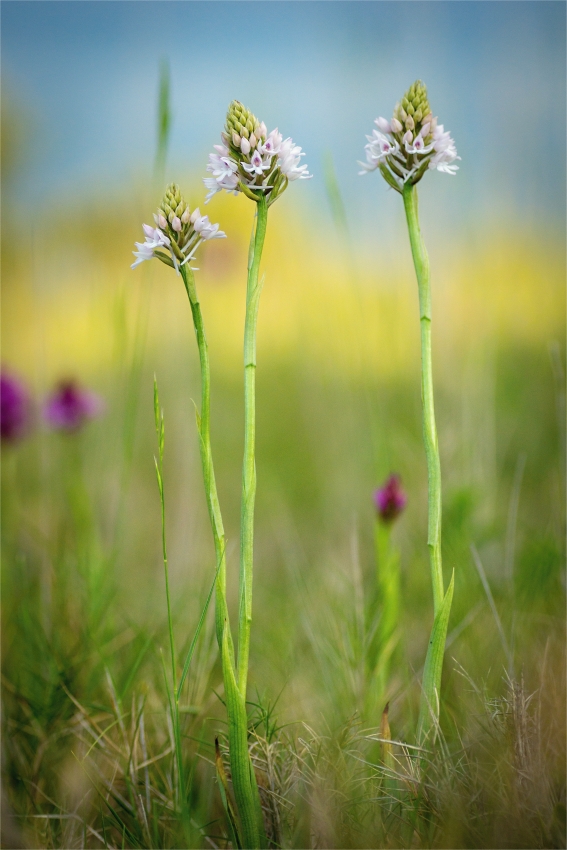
(178, 232)
(412, 142)
(251, 160)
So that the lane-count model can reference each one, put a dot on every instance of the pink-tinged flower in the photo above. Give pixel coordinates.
(272, 144)
(417, 145)
(15, 411)
(445, 152)
(288, 161)
(70, 406)
(154, 239)
(206, 230)
(222, 167)
(257, 165)
(378, 149)
(390, 500)
(216, 184)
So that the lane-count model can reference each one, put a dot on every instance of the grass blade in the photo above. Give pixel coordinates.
(198, 631)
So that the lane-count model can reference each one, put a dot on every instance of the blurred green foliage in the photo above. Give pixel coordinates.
(338, 409)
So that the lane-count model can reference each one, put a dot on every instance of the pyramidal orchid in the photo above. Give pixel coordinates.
(251, 160)
(174, 240)
(259, 164)
(403, 150)
(412, 142)
(177, 234)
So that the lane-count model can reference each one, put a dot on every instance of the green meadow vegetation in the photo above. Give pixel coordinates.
(95, 752)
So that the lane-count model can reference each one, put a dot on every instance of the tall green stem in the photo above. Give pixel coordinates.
(421, 263)
(249, 466)
(246, 797)
(203, 424)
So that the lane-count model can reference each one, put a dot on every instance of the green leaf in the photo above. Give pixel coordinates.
(239, 755)
(431, 685)
(225, 797)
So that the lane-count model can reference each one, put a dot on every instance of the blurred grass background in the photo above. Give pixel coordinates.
(338, 410)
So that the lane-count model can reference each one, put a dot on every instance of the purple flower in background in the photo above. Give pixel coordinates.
(14, 408)
(390, 499)
(70, 406)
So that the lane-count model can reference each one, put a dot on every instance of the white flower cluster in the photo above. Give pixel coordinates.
(412, 142)
(177, 234)
(251, 159)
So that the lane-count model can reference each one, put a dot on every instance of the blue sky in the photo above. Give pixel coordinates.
(87, 73)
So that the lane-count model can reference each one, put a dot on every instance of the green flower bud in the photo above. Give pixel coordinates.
(239, 121)
(415, 104)
(174, 206)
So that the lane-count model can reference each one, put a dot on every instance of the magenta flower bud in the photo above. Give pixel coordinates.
(14, 408)
(70, 406)
(390, 500)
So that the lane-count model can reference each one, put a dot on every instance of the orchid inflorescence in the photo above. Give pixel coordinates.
(70, 406)
(251, 160)
(14, 407)
(177, 234)
(390, 499)
(412, 142)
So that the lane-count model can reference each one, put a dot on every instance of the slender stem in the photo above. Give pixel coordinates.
(203, 423)
(388, 582)
(167, 596)
(421, 263)
(249, 465)
(175, 706)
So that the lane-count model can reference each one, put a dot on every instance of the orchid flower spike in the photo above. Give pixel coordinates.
(412, 142)
(177, 234)
(390, 499)
(251, 160)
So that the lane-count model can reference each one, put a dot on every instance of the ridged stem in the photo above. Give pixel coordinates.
(203, 423)
(249, 465)
(421, 263)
